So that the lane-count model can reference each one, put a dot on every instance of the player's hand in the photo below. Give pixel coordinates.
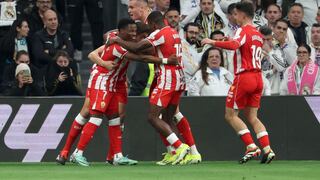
(112, 40)
(109, 34)
(110, 65)
(207, 41)
(173, 60)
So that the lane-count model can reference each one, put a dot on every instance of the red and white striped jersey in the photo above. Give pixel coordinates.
(113, 80)
(248, 56)
(167, 42)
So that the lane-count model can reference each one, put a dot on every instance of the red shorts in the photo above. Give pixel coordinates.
(163, 98)
(245, 91)
(106, 102)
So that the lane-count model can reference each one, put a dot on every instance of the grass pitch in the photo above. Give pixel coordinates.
(282, 170)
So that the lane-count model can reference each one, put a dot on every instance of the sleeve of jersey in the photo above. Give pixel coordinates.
(156, 38)
(231, 45)
(238, 40)
(119, 52)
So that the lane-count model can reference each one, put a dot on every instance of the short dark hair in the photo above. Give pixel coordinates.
(172, 9)
(265, 30)
(231, 7)
(316, 25)
(186, 27)
(273, 4)
(142, 28)
(123, 23)
(296, 4)
(62, 53)
(281, 20)
(20, 53)
(245, 7)
(216, 32)
(156, 17)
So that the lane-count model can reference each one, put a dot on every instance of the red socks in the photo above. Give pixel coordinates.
(88, 131)
(115, 137)
(184, 128)
(246, 137)
(74, 131)
(263, 138)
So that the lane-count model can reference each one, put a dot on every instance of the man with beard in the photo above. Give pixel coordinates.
(190, 55)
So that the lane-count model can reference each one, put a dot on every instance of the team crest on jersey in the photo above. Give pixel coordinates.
(103, 104)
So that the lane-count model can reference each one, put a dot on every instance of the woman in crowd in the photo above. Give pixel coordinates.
(302, 76)
(15, 40)
(61, 78)
(211, 79)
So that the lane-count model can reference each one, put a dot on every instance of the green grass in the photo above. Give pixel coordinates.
(282, 170)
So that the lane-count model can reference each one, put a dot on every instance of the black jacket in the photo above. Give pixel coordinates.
(35, 22)
(71, 86)
(9, 79)
(138, 80)
(42, 41)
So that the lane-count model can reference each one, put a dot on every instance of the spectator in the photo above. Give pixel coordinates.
(232, 24)
(9, 79)
(211, 79)
(299, 28)
(190, 56)
(226, 4)
(49, 40)
(208, 19)
(303, 76)
(24, 84)
(315, 43)
(36, 18)
(227, 54)
(14, 41)
(272, 14)
(310, 9)
(60, 78)
(190, 10)
(95, 17)
(162, 5)
(274, 61)
(258, 18)
(152, 4)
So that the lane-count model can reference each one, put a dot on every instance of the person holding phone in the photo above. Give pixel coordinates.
(61, 78)
(24, 84)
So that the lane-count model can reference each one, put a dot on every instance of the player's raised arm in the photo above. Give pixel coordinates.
(131, 46)
(230, 45)
(173, 60)
(94, 56)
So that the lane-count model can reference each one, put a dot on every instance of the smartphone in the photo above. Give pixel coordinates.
(26, 73)
(66, 71)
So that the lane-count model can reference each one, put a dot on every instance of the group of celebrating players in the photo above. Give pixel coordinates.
(106, 94)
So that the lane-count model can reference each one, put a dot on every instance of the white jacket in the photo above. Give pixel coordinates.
(191, 9)
(279, 59)
(284, 83)
(190, 59)
(216, 87)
